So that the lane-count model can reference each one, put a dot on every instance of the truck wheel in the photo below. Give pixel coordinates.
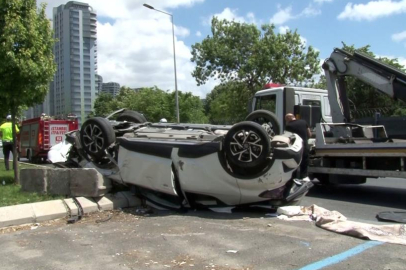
(132, 116)
(29, 156)
(247, 145)
(323, 178)
(96, 135)
(267, 119)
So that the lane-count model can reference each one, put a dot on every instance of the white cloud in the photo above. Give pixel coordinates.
(227, 14)
(285, 15)
(323, 1)
(198, 34)
(282, 16)
(135, 48)
(231, 15)
(310, 11)
(251, 18)
(181, 31)
(372, 10)
(399, 36)
(124, 8)
(283, 29)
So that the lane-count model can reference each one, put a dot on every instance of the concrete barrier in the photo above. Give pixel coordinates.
(88, 182)
(65, 182)
(118, 199)
(58, 182)
(34, 180)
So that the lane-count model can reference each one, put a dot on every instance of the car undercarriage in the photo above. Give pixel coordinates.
(181, 166)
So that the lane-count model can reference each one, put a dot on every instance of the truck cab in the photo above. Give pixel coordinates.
(281, 100)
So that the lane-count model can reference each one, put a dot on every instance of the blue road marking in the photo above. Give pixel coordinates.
(342, 256)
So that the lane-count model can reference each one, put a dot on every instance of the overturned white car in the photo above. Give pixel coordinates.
(192, 165)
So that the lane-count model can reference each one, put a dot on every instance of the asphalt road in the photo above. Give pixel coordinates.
(361, 202)
(194, 240)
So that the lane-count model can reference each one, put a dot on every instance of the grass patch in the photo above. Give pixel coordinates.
(11, 194)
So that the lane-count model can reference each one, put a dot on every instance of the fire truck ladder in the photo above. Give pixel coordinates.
(46, 135)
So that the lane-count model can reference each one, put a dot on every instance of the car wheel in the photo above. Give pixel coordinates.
(96, 135)
(247, 145)
(266, 119)
(132, 116)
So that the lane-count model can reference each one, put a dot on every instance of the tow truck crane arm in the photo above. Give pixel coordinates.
(383, 77)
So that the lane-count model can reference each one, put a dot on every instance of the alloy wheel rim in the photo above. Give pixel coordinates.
(246, 146)
(93, 138)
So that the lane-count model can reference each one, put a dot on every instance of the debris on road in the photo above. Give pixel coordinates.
(35, 226)
(399, 217)
(336, 222)
(289, 210)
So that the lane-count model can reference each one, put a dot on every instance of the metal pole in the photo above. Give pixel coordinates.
(174, 58)
(174, 66)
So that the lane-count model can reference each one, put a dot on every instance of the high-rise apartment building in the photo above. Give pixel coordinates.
(99, 84)
(112, 88)
(74, 87)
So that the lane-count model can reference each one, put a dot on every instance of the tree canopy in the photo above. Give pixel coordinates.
(26, 57)
(227, 103)
(154, 103)
(242, 52)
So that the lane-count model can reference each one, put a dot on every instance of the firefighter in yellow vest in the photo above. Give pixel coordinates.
(6, 134)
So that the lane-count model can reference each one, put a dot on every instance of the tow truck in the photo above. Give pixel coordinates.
(345, 152)
(342, 152)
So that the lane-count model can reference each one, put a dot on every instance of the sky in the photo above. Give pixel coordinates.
(135, 45)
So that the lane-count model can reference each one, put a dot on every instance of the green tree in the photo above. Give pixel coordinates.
(154, 103)
(242, 52)
(26, 58)
(191, 108)
(227, 103)
(104, 105)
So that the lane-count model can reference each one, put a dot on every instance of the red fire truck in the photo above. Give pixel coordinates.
(38, 135)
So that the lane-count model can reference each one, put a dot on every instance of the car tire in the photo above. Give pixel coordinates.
(96, 135)
(263, 117)
(247, 145)
(132, 116)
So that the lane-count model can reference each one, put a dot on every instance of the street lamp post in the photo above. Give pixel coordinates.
(174, 58)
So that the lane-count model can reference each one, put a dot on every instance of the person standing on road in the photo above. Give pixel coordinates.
(6, 133)
(301, 128)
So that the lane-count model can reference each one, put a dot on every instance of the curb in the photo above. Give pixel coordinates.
(49, 210)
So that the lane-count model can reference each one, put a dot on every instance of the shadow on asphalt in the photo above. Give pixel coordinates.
(238, 213)
(363, 194)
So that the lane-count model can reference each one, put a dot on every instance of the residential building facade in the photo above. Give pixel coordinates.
(74, 87)
(112, 88)
(99, 84)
